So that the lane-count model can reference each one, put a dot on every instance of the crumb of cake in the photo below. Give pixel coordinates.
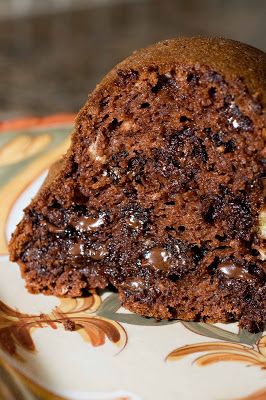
(161, 194)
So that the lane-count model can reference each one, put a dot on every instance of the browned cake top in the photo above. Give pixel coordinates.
(228, 57)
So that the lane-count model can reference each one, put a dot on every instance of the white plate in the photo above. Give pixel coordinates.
(110, 353)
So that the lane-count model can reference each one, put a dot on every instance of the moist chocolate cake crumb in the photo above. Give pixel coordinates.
(162, 192)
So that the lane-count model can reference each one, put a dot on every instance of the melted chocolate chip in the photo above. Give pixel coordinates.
(134, 284)
(134, 223)
(77, 249)
(158, 258)
(99, 253)
(85, 224)
(235, 271)
(53, 228)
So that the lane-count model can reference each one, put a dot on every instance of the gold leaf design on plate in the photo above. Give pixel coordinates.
(73, 314)
(223, 352)
(21, 147)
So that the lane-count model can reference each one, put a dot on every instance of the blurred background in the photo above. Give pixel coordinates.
(53, 52)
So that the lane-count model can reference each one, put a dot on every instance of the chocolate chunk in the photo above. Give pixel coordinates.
(157, 257)
(85, 224)
(98, 253)
(233, 270)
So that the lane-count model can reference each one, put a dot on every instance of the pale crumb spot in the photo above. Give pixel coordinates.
(262, 224)
(197, 65)
(147, 242)
(92, 149)
(99, 158)
(93, 152)
(116, 172)
(135, 284)
(262, 254)
(153, 78)
(64, 290)
(233, 121)
(220, 149)
(128, 125)
(138, 84)
(155, 196)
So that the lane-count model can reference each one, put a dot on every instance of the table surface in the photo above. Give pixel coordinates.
(49, 63)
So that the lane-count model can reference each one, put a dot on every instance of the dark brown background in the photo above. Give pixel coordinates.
(50, 61)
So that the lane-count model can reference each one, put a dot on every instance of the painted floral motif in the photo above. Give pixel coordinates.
(95, 321)
(73, 314)
(243, 346)
(222, 351)
(27, 149)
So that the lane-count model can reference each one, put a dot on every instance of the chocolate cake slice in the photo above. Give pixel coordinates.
(161, 194)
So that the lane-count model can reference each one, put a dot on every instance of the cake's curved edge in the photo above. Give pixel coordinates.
(53, 174)
(228, 57)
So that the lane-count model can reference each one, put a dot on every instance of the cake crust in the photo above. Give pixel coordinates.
(228, 57)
